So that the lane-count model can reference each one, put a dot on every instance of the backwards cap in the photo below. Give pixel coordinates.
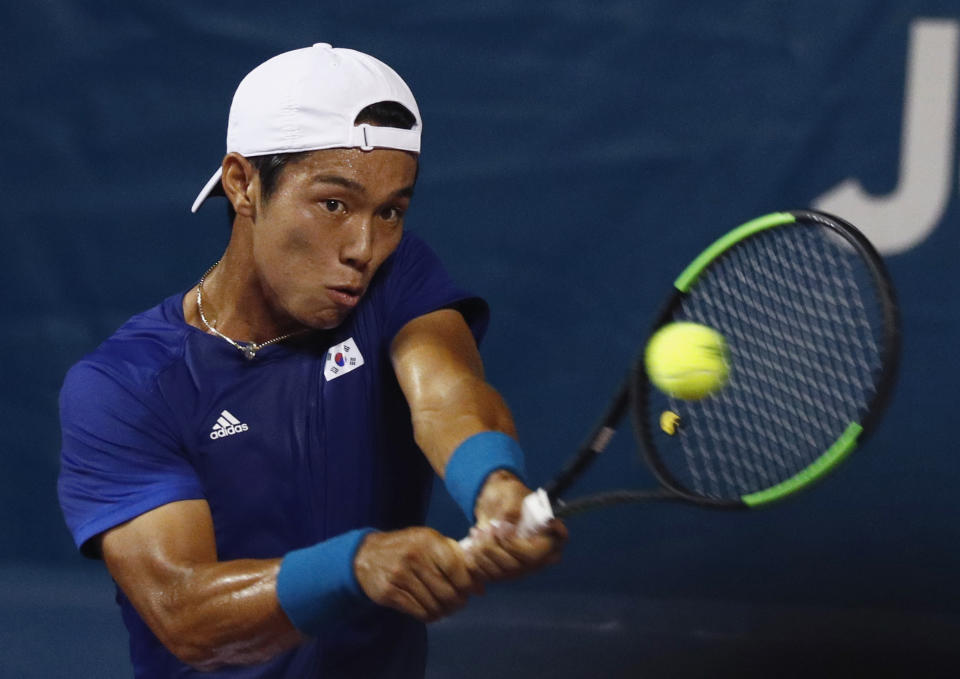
(307, 99)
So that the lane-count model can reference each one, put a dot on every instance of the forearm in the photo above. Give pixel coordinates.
(465, 407)
(219, 613)
(228, 613)
(209, 612)
(439, 369)
(459, 422)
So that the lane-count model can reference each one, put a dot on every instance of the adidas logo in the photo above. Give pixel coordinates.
(227, 425)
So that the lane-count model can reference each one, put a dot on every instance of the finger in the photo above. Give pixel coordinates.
(535, 550)
(482, 542)
(526, 550)
(413, 585)
(442, 591)
(498, 552)
(401, 600)
(477, 573)
(560, 538)
(452, 562)
(558, 530)
(444, 572)
(491, 569)
(457, 567)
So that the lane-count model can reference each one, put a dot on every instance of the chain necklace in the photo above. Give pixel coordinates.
(248, 349)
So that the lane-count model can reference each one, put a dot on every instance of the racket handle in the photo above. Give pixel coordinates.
(535, 514)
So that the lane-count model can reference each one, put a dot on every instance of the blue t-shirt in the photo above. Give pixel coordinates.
(308, 440)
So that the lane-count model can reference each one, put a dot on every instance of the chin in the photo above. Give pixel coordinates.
(326, 320)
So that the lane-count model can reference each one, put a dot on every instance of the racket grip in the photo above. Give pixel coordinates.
(535, 514)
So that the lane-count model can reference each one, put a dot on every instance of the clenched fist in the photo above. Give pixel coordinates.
(497, 550)
(416, 571)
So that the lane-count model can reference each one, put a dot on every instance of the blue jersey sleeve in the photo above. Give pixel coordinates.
(417, 283)
(120, 455)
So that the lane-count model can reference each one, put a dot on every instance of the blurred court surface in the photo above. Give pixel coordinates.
(62, 623)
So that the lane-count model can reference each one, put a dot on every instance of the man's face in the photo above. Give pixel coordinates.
(333, 219)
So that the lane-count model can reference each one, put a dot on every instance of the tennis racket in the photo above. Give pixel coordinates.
(812, 327)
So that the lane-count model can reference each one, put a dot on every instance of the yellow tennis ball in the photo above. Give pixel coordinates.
(687, 360)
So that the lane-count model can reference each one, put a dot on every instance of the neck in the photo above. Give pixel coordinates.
(235, 301)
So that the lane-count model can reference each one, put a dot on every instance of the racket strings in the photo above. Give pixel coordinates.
(851, 356)
(770, 429)
(858, 342)
(774, 325)
(817, 339)
(774, 335)
(802, 336)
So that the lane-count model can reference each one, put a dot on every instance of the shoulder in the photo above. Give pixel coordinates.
(414, 267)
(413, 244)
(412, 252)
(415, 282)
(134, 354)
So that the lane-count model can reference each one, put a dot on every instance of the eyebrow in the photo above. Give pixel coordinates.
(406, 192)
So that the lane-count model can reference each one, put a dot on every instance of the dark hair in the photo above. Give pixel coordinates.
(381, 114)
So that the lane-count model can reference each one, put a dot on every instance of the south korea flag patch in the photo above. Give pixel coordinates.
(341, 359)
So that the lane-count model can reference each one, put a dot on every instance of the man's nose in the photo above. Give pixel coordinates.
(357, 246)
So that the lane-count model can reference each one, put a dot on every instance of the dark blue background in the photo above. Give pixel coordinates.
(576, 155)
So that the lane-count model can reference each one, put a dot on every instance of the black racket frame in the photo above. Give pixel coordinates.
(636, 387)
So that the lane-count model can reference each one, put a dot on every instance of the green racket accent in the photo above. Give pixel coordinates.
(689, 275)
(824, 464)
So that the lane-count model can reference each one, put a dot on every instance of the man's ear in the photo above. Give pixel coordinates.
(241, 184)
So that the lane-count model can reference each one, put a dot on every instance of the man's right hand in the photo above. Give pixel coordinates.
(416, 571)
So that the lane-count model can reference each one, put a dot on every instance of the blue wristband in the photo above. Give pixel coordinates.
(474, 460)
(316, 586)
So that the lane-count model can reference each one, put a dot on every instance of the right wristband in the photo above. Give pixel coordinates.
(474, 460)
(316, 586)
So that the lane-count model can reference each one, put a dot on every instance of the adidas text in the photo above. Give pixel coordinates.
(219, 433)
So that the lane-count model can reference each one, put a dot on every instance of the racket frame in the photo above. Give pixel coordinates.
(636, 387)
(854, 434)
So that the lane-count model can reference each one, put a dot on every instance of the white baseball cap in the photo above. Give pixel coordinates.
(308, 99)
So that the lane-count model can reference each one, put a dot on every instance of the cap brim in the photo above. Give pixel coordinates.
(212, 187)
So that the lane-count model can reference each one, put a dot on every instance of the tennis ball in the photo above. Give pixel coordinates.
(687, 360)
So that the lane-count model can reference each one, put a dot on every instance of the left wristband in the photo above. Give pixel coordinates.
(317, 587)
(474, 460)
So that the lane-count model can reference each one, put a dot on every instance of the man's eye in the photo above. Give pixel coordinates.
(331, 205)
(391, 214)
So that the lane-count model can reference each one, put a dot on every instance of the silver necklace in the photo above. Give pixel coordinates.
(248, 349)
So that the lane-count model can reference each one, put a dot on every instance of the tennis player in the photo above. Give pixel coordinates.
(252, 458)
